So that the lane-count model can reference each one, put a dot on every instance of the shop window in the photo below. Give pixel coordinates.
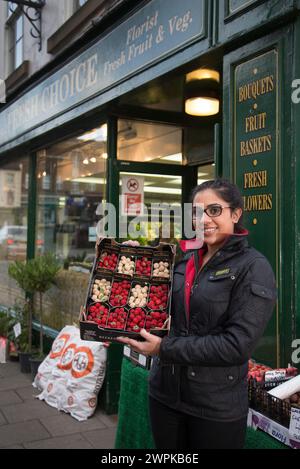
(71, 183)
(149, 143)
(13, 225)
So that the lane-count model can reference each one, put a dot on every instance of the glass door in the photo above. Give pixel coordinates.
(150, 209)
(151, 166)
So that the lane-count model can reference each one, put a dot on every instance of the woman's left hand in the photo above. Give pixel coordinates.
(150, 346)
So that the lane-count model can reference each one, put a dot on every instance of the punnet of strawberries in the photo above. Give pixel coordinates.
(117, 319)
(158, 297)
(107, 261)
(98, 313)
(136, 319)
(143, 266)
(119, 293)
(155, 319)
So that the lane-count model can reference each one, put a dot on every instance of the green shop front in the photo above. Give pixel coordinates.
(115, 113)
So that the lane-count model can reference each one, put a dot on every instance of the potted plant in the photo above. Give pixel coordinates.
(21, 272)
(42, 272)
(9, 317)
(35, 276)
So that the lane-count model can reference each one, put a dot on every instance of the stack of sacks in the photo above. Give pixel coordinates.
(76, 376)
(44, 373)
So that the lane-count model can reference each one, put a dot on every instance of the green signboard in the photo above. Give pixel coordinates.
(154, 32)
(256, 153)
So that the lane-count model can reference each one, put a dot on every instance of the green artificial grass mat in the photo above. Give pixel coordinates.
(133, 430)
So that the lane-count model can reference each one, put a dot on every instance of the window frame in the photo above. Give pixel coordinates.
(77, 5)
(14, 41)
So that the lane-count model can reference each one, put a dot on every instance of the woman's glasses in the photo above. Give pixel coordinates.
(213, 210)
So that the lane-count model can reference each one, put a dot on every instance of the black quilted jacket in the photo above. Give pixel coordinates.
(203, 363)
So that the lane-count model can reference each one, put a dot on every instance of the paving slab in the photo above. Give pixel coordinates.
(19, 380)
(27, 411)
(20, 433)
(9, 369)
(3, 420)
(76, 441)
(111, 421)
(102, 439)
(27, 392)
(9, 397)
(26, 422)
(64, 424)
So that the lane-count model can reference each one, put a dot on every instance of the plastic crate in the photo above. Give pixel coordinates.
(273, 407)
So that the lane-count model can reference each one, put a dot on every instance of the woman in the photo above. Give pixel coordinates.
(223, 297)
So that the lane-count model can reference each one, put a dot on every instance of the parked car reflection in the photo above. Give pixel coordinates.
(13, 242)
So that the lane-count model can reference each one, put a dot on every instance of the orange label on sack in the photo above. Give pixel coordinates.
(65, 362)
(58, 345)
(83, 362)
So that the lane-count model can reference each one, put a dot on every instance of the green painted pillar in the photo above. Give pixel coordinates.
(109, 396)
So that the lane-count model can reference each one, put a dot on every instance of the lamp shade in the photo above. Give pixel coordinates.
(202, 93)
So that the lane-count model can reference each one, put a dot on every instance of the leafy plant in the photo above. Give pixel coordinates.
(19, 314)
(35, 276)
(21, 272)
(5, 323)
(8, 319)
(43, 271)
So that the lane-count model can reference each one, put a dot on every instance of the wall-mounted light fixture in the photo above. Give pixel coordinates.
(202, 95)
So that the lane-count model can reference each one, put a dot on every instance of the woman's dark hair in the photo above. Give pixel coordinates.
(227, 191)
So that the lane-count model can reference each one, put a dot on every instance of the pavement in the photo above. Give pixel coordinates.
(28, 423)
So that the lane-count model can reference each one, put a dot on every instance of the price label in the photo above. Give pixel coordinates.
(126, 351)
(142, 359)
(17, 330)
(294, 429)
(275, 375)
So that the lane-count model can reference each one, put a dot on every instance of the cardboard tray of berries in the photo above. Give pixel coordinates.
(130, 288)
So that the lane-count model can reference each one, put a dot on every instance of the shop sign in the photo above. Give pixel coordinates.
(256, 148)
(152, 33)
(132, 195)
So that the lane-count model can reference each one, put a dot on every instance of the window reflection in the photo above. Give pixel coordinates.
(13, 224)
(71, 183)
(206, 172)
(71, 180)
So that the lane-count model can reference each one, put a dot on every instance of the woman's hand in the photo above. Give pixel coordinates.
(150, 346)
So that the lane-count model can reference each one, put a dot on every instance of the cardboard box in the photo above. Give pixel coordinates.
(96, 326)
